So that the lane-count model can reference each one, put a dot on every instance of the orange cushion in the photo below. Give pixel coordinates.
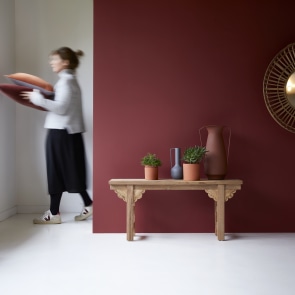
(21, 78)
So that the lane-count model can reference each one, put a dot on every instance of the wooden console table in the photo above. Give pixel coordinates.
(130, 190)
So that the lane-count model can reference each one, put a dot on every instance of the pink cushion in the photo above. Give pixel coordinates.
(13, 91)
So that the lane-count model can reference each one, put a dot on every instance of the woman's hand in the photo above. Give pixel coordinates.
(27, 94)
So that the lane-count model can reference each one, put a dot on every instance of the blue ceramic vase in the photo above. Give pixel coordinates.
(176, 170)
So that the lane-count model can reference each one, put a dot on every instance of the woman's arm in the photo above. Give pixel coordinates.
(62, 98)
(63, 92)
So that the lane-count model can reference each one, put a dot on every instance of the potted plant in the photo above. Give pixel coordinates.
(192, 157)
(151, 163)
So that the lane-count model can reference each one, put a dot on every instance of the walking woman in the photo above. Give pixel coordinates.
(65, 154)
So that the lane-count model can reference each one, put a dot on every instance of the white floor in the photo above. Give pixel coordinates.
(70, 259)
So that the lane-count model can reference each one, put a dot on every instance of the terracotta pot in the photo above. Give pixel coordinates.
(215, 161)
(150, 173)
(191, 172)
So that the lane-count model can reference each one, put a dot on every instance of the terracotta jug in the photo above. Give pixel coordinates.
(216, 159)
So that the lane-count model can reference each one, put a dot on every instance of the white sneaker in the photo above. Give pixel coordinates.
(86, 212)
(48, 218)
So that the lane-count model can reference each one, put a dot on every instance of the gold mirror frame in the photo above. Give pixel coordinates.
(275, 81)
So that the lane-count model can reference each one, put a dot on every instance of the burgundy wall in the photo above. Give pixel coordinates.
(165, 68)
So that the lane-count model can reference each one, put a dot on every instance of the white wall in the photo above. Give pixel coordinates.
(7, 113)
(41, 26)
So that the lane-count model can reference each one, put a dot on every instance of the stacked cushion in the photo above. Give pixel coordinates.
(26, 82)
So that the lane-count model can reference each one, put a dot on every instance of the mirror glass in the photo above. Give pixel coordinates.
(290, 90)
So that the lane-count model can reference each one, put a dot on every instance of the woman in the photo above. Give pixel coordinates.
(65, 155)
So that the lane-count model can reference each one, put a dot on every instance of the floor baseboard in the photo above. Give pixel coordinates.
(25, 209)
(8, 213)
(39, 209)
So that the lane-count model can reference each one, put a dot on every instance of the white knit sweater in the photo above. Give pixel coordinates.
(65, 111)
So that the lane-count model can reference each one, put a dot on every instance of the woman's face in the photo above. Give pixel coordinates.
(57, 64)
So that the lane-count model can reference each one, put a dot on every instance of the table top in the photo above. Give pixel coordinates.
(175, 182)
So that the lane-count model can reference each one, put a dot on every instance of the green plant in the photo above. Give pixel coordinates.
(194, 154)
(151, 160)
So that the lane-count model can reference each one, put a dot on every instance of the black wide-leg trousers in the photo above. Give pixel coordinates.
(65, 162)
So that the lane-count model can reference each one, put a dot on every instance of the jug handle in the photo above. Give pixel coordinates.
(201, 134)
(171, 156)
(229, 139)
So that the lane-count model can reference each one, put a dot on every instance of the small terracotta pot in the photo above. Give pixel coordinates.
(150, 173)
(191, 171)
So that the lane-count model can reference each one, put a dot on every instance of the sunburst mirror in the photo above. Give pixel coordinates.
(279, 88)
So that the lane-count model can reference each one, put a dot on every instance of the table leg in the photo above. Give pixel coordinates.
(220, 212)
(130, 214)
(215, 217)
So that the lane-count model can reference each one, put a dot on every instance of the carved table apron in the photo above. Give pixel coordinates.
(130, 190)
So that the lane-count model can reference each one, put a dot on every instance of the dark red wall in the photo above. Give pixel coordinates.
(165, 68)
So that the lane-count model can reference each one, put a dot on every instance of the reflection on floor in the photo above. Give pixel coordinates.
(70, 259)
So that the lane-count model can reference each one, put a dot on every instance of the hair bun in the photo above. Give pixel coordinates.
(79, 53)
